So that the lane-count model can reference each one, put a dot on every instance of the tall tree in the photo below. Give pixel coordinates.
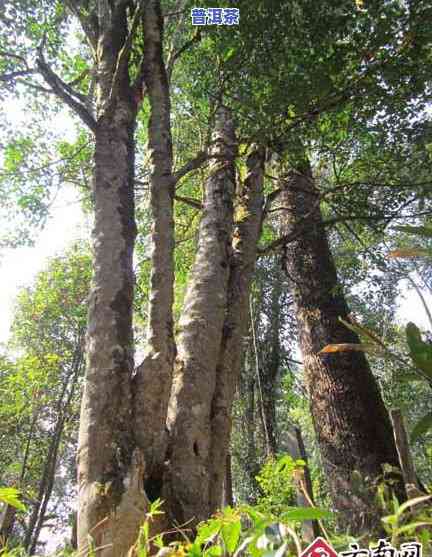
(41, 384)
(127, 457)
(351, 422)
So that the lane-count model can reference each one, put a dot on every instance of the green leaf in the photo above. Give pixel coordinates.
(412, 502)
(420, 351)
(9, 495)
(231, 535)
(306, 513)
(229, 54)
(412, 526)
(214, 551)
(208, 530)
(422, 426)
(422, 231)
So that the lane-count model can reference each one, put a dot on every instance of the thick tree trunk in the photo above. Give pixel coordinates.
(200, 336)
(249, 207)
(106, 439)
(152, 384)
(111, 503)
(351, 422)
(122, 430)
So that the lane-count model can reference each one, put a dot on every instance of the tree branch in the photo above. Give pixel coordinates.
(65, 92)
(175, 55)
(193, 164)
(189, 201)
(89, 24)
(6, 77)
(123, 56)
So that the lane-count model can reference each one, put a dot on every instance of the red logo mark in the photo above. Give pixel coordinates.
(319, 548)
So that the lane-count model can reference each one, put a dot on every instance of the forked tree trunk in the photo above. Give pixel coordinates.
(126, 458)
(351, 422)
(249, 210)
(212, 328)
(200, 335)
(122, 428)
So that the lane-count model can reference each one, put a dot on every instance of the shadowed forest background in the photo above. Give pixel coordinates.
(219, 370)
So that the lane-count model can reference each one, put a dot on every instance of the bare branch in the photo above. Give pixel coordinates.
(175, 55)
(89, 23)
(6, 77)
(36, 87)
(189, 201)
(123, 56)
(193, 164)
(21, 59)
(65, 92)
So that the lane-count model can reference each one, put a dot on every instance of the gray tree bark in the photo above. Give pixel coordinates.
(111, 504)
(200, 335)
(126, 457)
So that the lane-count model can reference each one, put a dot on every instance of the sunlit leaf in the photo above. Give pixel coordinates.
(10, 496)
(347, 347)
(306, 513)
(420, 351)
(231, 535)
(409, 252)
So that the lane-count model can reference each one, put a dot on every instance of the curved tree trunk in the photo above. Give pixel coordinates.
(351, 422)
